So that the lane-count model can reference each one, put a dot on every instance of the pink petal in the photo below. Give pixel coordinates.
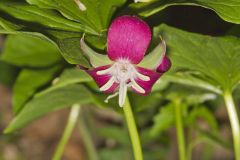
(147, 85)
(128, 38)
(165, 65)
(102, 79)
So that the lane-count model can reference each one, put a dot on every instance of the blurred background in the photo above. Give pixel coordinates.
(38, 140)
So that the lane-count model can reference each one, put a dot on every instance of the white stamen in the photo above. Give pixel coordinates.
(81, 6)
(122, 93)
(106, 71)
(142, 1)
(143, 77)
(108, 84)
(124, 73)
(110, 97)
(137, 87)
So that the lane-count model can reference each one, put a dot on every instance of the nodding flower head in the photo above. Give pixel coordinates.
(125, 66)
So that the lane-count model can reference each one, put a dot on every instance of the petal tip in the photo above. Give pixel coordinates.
(128, 38)
(165, 65)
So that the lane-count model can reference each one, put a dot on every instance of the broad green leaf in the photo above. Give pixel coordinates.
(68, 77)
(49, 102)
(8, 26)
(213, 138)
(8, 73)
(67, 42)
(203, 113)
(145, 102)
(97, 14)
(44, 17)
(188, 97)
(163, 120)
(73, 75)
(23, 50)
(187, 79)
(27, 83)
(115, 153)
(229, 10)
(114, 133)
(216, 59)
(69, 45)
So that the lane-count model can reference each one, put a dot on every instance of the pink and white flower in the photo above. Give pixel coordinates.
(125, 66)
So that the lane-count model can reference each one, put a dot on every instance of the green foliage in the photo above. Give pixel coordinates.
(227, 10)
(214, 58)
(42, 30)
(117, 154)
(7, 73)
(203, 113)
(49, 25)
(28, 82)
(41, 17)
(97, 14)
(29, 51)
(115, 133)
(68, 77)
(49, 102)
(164, 120)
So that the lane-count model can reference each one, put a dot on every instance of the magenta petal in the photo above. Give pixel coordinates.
(102, 79)
(128, 38)
(147, 85)
(165, 65)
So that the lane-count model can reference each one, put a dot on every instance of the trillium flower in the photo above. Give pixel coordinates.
(125, 66)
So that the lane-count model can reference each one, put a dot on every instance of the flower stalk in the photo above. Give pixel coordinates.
(86, 138)
(73, 116)
(133, 132)
(180, 132)
(234, 121)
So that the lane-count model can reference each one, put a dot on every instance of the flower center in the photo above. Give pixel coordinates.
(124, 73)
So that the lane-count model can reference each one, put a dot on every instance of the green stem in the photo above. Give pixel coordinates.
(73, 116)
(234, 121)
(133, 132)
(180, 133)
(87, 139)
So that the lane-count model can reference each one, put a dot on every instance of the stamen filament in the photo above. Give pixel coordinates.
(106, 71)
(108, 85)
(143, 77)
(110, 97)
(122, 93)
(137, 87)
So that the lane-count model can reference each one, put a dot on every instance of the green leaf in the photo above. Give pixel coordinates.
(49, 102)
(69, 45)
(163, 120)
(97, 14)
(188, 79)
(203, 113)
(228, 10)
(145, 102)
(68, 77)
(67, 42)
(28, 82)
(213, 138)
(115, 153)
(8, 73)
(44, 17)
(25, 50)
(8, 26)
(115, 133)
(215, 59)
